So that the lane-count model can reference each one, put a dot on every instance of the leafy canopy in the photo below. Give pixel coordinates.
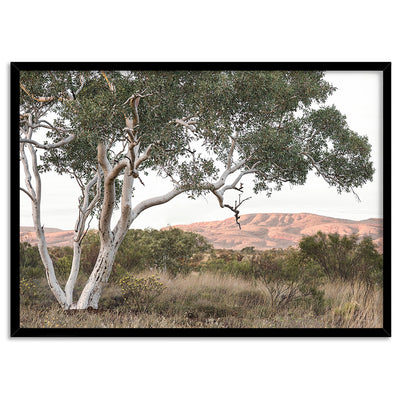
(276, 119)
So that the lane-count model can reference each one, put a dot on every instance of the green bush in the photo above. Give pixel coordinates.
(287, 276)
(345, 257)
(31, 266)
(90, 251)
(172, 250)
(232, 267)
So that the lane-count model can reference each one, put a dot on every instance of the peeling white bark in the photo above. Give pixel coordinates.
(99, 277)
(70, 285)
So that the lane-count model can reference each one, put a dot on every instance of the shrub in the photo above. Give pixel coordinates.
(232, 267)
(27, 290)
(90, 251)
(140, 293)
(287, 276)
(173, 250)
(31, 266)
(248, 250)
(345, 257)
(26, 287)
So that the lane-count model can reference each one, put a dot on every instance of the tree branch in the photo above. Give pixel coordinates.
(155, 201)
(217, 185)
(186, 122)
(328, 177)
(230, 155)
(40, 99)
(28, 177)
(110, 85)
(60, 143)
(26, 192)
(144, 156)
(218, 189)
(85, 208)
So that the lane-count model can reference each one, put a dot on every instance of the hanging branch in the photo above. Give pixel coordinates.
(235, 209)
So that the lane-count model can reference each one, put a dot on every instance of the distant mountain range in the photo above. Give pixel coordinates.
(278, 230)
(261, 231)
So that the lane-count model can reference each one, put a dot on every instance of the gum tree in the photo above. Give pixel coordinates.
(202, 130)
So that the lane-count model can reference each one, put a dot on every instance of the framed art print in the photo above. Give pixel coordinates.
(200, 199)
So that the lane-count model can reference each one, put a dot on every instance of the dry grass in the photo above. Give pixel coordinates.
(354, 305)
(207, 300)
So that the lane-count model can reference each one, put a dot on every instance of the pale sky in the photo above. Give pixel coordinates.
(358, 96)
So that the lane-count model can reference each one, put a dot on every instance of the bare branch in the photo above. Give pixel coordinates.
(83, 81)
(189, 124)
(40, 99)
(110, 85)
(155, 201)
(230, 155)
(137, 95)
(26, 192)
(45, 124)
(219, 188)
(236, 181)
(234, 208)
(85, 208)
(144, 156)
(328, 177)
(60, 143)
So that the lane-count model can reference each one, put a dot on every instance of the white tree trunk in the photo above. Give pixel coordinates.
(49, 269)
(35, 196)
(69, 287)
(99, 277)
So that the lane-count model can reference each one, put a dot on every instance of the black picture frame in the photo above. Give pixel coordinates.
(17, 331)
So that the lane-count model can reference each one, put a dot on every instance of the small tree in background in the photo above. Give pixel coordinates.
(345, 257)
(169, 250)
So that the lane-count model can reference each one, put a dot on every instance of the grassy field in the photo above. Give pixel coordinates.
(208, 300)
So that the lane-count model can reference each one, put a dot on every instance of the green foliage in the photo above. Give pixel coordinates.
(30, 263)
(248, 250)
(273, 112)
(90, 251)
(62, 261)
(27, 288)
(345, 257)
(229, 266)
(288, 276)
(170, 250)
(139, 293)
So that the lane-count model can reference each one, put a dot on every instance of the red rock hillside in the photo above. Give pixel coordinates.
(263, 231)
(54, 236)
(266, 231)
